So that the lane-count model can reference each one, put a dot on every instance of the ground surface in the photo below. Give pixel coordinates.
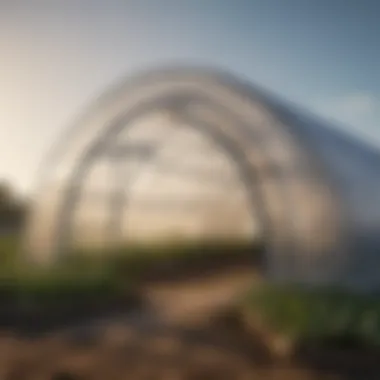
(175, 339)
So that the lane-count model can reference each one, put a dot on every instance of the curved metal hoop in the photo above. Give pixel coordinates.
(231, 148)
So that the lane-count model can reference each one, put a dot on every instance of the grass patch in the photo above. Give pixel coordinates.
(56, 287)
(24, 288)
(9, 252)
(318, 316)
(136, 260)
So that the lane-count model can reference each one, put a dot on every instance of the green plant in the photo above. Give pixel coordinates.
(318, 315)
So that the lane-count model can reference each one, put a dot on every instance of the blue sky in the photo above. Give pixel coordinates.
(56, 56)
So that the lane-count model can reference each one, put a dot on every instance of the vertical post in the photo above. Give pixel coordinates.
(118, 198)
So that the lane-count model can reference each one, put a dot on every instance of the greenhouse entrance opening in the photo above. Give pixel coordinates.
(162, 180)
(167, 177)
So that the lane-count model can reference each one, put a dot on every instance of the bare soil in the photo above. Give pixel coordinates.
(185, 333)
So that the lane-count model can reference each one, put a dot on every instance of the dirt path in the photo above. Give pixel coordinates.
(174, 341)
(193, 300)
